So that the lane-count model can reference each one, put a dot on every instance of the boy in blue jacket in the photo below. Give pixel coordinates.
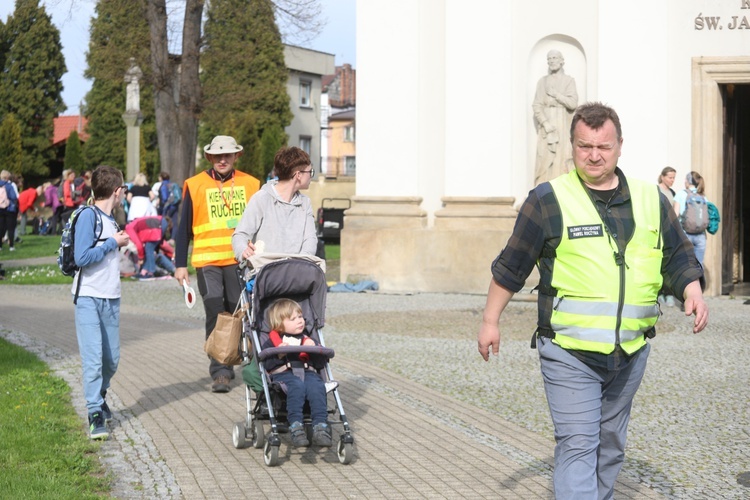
(97, 309)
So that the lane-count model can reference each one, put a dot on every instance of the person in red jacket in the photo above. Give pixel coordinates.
(25, 203)
(147, 233)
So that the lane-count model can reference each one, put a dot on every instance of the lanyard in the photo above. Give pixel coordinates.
(220, 185)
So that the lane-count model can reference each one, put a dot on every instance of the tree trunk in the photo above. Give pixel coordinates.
(177, 90)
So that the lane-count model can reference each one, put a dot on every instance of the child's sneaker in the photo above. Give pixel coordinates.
(106, 412)
(97, 427)
(322, 435)
(299, 436)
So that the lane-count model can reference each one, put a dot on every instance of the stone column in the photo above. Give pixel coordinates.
(133, 119)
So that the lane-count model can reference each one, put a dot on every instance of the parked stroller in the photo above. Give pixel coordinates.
(268, 278)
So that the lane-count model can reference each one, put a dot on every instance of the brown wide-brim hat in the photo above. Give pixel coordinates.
(222, 144)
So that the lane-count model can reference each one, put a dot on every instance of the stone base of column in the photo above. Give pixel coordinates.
(386, 239)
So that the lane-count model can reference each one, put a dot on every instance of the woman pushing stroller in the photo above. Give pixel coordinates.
(297, 373)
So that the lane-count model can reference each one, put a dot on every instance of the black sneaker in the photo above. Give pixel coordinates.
(106, 412)
(299, 436)
(322, 435)
(97, 427)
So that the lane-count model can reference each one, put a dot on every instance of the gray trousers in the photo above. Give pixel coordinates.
(220, 289)
(590, 410)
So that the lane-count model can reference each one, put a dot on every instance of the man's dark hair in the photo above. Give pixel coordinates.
(164, 175)
(288, 160)
(594, 115)
(104, 181)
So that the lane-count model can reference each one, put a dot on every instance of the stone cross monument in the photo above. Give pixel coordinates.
(133, 119)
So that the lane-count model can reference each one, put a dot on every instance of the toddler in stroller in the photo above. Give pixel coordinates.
(297, 372)
(284, 298)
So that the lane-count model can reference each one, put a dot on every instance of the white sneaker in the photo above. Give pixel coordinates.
(670, 300)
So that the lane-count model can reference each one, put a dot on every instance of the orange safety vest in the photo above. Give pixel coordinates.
(217, 208)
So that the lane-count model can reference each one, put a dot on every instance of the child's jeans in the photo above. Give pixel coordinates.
(98, 331)
(313, 389)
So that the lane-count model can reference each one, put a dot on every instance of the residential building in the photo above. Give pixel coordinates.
(306, 67)
(340, 100)
(434, 206)
(342, 151)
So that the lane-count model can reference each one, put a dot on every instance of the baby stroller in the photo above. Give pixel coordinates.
(301, 279)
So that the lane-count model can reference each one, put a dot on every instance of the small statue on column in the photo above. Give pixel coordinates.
(133, 91)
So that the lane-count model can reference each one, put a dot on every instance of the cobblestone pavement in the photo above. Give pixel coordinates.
(430, 419)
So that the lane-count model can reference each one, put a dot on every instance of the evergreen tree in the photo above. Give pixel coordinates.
(73, 157)
(118, 31)
(30, 83)
(243, 70)
(11, 150)
(271, 141)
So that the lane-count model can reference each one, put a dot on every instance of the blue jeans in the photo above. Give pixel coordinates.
(98, 332)
(699, 244)
(590, 410)
(312, 388)
(151, 258)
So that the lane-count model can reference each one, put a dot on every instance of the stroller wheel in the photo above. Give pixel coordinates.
(345, 452)
(239, 435)
(259, 436)
(271, 454)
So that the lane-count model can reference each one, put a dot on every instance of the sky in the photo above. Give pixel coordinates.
(72, 19)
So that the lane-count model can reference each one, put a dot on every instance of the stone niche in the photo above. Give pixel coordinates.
(387, 239)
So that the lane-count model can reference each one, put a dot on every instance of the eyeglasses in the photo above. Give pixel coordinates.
(311, 172)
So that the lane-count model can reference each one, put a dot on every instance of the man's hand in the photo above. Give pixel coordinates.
(181, 273)
(698, 307)
(695, 305)
(489, 336)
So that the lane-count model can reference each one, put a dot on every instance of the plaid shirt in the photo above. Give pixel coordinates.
(538, 232)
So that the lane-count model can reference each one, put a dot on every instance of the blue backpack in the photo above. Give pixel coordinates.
(170, 193)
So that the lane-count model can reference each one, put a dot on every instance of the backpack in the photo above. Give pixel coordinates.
(66, 253)
(713, 218)
(171, 194)
(695, 218)
(4, 200)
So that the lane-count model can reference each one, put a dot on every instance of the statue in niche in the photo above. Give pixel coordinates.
(555, 101)
(133, 89)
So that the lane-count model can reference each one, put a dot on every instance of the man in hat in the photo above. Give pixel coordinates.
(212, 204)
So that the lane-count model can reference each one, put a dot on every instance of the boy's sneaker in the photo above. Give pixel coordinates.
(322, 435)
(299, 436)
(97, 427)
(106, 412)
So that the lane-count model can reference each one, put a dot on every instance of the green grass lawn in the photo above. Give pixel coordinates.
(46, 452)
(31, 247)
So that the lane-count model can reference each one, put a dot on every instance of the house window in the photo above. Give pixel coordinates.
(349, 133)
(350, 165)
(304, 94)
(304, 143)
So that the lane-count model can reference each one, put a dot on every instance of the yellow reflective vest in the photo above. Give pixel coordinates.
(217, 208)
(601, 303)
